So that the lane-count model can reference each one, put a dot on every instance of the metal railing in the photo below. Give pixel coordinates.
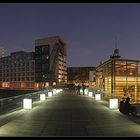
(14, 102)
(10, 103)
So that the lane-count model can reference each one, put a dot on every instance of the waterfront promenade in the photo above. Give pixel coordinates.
(68, 114)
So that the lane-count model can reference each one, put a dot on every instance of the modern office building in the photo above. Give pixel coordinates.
(81, 75)
(118, 76)
(17, 71)
(50, 61)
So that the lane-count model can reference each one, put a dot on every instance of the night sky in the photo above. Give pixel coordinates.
(88, 29)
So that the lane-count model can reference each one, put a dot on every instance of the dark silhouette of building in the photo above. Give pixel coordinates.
(81, 74)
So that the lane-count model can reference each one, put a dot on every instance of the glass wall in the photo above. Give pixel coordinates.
(120, 76)
(107, 76)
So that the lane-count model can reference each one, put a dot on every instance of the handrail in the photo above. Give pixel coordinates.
(14, 102)
(17, 96)
(9, 101)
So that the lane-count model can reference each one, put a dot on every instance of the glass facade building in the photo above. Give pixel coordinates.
(119, 76)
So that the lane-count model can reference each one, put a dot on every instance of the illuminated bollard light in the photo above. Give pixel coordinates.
(54, 91)
(90, 94)
(50, 94)
(81, 91)
(27, 103)
(97, 97)
(42, 97)
(86, 91)
(113, 103)
(57, 91)
(61, 90)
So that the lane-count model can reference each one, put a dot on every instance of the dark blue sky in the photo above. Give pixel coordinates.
(88, 29)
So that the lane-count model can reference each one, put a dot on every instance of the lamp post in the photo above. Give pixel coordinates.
(44, 80)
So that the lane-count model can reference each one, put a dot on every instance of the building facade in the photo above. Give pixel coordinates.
(81, 75)
(50, 61)
(17, 71)
(35, 70)
(2, 51)
(118, 77)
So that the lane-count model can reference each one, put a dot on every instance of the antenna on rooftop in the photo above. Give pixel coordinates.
(115, 42)
(116, 51)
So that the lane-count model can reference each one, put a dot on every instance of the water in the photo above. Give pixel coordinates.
(10, 93)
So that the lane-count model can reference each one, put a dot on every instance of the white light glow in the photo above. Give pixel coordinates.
(81, 91)
(98, 97)
(47, 84)
(113, 103)
(54, 91)
(42, 97)
(59, 90)
(27, 103)
(54, 83)
(86, 91)
(90, 94)
(50, 94)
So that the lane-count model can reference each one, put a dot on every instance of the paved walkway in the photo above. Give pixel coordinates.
(68, 114)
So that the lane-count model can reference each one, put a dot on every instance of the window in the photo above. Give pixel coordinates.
(27, 78)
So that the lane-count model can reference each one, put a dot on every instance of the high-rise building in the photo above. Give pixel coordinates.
(50, 61)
